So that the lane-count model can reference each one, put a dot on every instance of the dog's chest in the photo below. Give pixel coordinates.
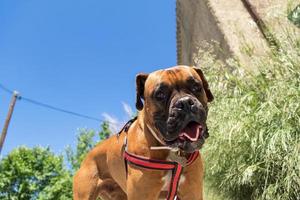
(167, 180)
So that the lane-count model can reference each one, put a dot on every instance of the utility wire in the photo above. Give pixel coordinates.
(20, 97)
(6, 89)
(59, 109)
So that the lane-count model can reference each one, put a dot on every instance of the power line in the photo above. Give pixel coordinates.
(59, 109)
(6, 89)
(41, 104)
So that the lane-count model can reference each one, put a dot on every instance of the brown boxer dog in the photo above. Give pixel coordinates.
(172, 106)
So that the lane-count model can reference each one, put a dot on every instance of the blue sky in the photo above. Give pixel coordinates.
(78, 55)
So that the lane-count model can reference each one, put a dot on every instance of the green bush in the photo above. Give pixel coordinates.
(38, 174)
(254, 148)
(34, 174)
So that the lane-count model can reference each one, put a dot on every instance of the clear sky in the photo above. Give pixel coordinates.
(78, 55)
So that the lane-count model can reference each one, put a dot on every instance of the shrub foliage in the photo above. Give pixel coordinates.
(254, 148)
(38, 174)
(34, 174)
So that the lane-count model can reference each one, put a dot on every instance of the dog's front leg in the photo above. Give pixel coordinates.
(144, 186)
(141, 191)
(85, 183)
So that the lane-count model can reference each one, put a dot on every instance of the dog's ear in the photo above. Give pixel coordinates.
(140, 88)
(210, 96)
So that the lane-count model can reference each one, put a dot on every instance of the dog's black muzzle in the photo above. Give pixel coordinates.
(182, 111)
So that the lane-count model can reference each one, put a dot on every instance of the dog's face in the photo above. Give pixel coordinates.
(175, 105)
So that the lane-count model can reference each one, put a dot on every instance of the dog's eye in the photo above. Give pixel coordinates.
(160, 95)
(196, 88)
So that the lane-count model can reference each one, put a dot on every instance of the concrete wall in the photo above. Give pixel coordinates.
(195, 24)
(235, 24)
(273, 15)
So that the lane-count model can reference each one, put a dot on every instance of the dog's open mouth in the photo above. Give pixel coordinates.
(191, 132)
(190, 138)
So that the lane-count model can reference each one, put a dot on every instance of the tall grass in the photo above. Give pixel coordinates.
(254, 148)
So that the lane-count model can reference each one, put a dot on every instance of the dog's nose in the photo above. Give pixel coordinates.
(185, 103)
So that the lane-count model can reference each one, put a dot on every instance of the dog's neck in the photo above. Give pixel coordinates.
(149, 130)
(145, 139)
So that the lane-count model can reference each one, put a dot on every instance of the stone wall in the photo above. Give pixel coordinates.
(238, 26)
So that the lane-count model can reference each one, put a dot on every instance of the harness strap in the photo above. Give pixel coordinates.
(161, 165)
(156, 164)
(127, 126)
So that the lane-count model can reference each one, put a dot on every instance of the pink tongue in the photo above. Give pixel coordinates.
(191, 132)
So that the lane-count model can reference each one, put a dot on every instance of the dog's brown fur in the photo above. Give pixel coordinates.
(102, 173)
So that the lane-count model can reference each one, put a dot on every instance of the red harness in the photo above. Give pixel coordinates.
(161, 165)
(157, 164)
